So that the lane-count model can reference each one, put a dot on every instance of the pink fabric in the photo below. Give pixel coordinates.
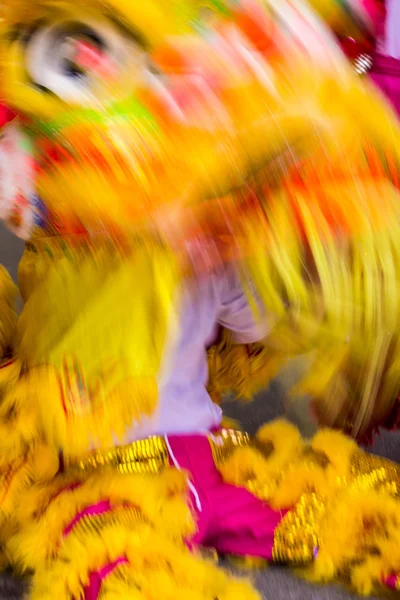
(6, 116)
(96, 579)
(391, 582)
(386, 75)
(230, 519)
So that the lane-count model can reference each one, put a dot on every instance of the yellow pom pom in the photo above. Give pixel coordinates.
(337, 447)
(283, 435)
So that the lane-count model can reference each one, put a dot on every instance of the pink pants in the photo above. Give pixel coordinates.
(229, 519)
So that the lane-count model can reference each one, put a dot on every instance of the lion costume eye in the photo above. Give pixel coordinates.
(73, 59)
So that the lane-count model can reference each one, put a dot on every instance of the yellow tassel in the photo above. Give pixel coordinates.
(32, 269)
(8, 314)
(39, 463)
(340, 313)
(9, 374)
(242, 370)
(44, 463)
(19, 421)
(367, 576)
(243, 466)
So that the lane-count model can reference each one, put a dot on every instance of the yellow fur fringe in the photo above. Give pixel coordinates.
(151, 539)
(158, 567)
(338, 448)
(360, 535)
(358, 529)
(9, 374)
(39, 464)
(44, 511)
(19, 416)
(279, 468)
(278, 444)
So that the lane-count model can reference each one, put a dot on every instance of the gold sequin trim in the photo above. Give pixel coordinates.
(122, 516)
(380, 473)
(296, 537)
(225, 442)
(151, 455)
(147, 456)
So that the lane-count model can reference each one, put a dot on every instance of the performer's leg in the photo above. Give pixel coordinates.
(243, 525)
(230, 519)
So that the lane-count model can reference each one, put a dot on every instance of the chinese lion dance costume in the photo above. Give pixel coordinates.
(193, 175)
